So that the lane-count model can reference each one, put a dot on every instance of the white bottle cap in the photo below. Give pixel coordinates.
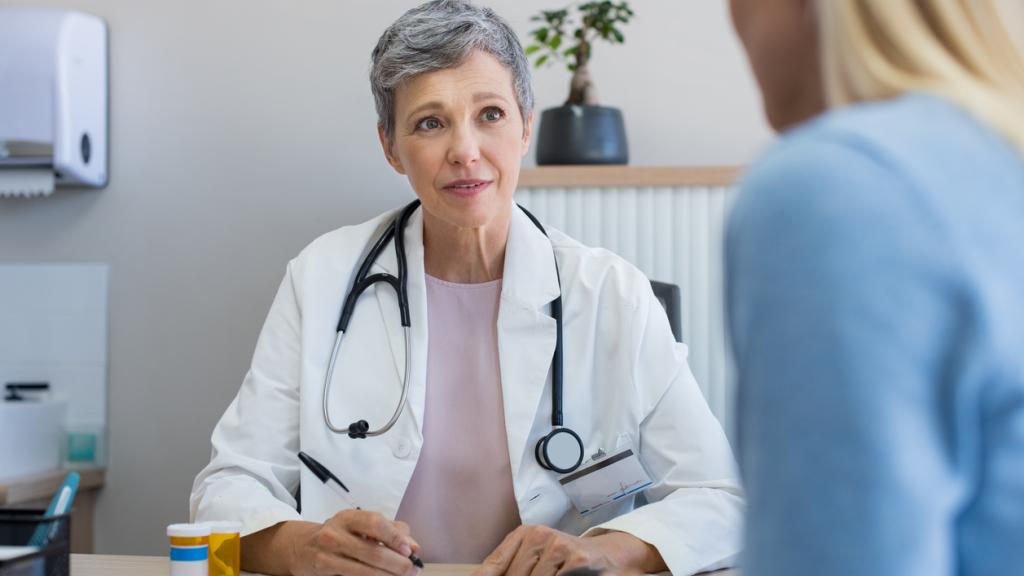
(188, 530)
(224, 526)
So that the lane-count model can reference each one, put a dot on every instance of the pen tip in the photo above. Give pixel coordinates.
(416, 560)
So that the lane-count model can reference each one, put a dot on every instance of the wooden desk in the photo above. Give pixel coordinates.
(101, 565)
(36, 491)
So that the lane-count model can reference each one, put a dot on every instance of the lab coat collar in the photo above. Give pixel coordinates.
(526, 340)
(529, 276)
(388, 261)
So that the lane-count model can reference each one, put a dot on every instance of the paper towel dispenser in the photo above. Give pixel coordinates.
(53, 100)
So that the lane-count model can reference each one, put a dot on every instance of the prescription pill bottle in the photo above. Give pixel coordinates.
(225, 548)
(190, 549)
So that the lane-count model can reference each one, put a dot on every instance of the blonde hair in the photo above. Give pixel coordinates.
(956, 49)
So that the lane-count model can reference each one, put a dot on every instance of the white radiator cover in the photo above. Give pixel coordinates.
(673, 234)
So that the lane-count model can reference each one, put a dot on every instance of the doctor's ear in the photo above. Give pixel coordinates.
(527, 132)
(388, 146)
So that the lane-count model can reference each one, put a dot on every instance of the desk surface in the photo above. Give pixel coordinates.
(102, 565)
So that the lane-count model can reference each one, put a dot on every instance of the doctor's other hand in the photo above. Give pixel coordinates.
(543, 551)
(354, 543)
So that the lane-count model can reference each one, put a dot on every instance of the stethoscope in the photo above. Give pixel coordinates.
(560, 450)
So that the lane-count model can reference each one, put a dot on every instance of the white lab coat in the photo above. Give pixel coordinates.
(626, 383)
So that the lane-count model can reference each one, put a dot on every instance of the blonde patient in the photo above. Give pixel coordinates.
(876, 290)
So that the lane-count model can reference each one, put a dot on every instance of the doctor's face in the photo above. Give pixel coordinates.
(459, 137)
(781, 40)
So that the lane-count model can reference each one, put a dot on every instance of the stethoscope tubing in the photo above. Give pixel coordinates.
(395, 231)
(556, 313)
(402, 401)
(360, 429)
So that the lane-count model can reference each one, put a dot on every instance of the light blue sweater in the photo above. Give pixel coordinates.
(876, 304)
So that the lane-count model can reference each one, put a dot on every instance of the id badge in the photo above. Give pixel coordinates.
(607, 480)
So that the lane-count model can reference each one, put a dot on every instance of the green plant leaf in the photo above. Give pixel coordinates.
(586, 21)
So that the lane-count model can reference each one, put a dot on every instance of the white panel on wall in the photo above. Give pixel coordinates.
(53, 328)
(672, 234)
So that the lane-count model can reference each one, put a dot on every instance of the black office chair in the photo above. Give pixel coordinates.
(671, 300)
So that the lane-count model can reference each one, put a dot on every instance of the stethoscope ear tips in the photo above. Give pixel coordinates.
(358, 429)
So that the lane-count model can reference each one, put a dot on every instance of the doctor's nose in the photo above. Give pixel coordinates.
(464, 147)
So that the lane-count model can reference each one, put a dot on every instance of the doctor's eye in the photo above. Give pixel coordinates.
(492, 114)
(428, 124)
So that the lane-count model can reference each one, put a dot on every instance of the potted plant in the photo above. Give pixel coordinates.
(580, 131)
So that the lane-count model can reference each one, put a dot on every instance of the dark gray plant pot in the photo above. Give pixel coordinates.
(572, 134)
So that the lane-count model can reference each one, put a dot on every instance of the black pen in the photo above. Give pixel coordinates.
(325, 475)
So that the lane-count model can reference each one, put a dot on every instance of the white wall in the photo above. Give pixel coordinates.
(241, 130)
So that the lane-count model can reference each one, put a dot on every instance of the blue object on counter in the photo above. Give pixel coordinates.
(60, 504)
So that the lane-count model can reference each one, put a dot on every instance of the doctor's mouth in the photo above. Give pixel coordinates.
(467, 188)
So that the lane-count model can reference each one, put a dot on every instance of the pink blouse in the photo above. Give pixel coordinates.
(460, 503)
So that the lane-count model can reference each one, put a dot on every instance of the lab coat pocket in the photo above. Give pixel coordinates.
(609, 444)
(610, 479)
(545, 503)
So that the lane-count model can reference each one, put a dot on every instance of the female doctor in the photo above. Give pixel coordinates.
(495, 356)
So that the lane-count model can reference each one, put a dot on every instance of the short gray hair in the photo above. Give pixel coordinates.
(438, 35)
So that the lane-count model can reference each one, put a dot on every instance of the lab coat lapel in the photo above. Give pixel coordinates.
(526, 337)
(387, 301)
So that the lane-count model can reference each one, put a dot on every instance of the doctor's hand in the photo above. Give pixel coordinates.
(355, 543)
(544, 551)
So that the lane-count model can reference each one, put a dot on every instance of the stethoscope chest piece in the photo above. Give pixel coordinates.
(561, 450)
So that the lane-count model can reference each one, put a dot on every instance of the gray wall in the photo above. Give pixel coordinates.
(240, 131)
